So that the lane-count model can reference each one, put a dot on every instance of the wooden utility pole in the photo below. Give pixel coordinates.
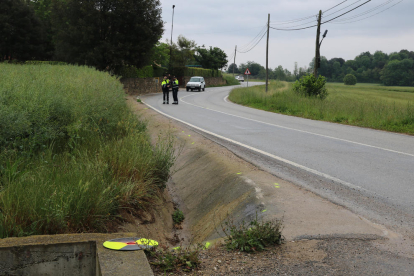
(267, 52)
(317, 54)
(234, 63)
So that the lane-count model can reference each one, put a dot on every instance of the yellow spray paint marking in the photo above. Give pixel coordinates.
(264, 211)
(277, 185)
(239, 173)
(182, 131)
(177, 248)
(207, 245)
(147, 242)
(192, 143)
(189, 135)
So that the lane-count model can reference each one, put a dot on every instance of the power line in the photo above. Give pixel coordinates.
(254, 45)
(335, 6)
(369, 11)
(322, 22)
(253, 41)
(368, 16)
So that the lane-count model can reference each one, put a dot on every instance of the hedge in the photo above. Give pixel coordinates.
(191, 71)
(144, 72)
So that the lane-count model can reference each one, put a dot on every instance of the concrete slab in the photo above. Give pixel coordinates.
(83, 254)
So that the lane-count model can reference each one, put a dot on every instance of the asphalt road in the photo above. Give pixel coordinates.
(368, 171)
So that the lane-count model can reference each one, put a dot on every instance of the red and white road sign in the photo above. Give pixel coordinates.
(247, 72)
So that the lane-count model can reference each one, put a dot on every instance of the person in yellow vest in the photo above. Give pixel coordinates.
(175, 90)
(165, 90)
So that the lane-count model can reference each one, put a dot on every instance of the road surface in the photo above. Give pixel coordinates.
(369, 171)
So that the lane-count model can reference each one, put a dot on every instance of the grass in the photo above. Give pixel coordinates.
(73, 156)
(365, 105)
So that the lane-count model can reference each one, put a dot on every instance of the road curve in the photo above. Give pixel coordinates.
(368, 171)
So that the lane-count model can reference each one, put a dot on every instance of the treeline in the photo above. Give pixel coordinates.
(395, 69)
(259, 72)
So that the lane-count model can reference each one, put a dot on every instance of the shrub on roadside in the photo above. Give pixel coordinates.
(309, 86)
(253, 236)
(178, 216)
(350, 79)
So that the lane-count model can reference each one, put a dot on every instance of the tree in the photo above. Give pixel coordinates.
(106, 34)
(214, 58)
(398, 72)
(21, 32)
(183, 52)
(350, 80)
(43, 12)
(161, 54)
(230, 69)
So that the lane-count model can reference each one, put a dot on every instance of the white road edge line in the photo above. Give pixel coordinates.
(318, 173)
(298, 130)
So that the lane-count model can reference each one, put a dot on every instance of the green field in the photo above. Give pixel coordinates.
(73, 156)
(366, 105)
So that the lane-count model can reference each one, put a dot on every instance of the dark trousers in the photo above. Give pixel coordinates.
(166, 95)
(175, 95)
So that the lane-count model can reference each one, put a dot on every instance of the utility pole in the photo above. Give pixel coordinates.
(267, 52)
(172, 27)
(317, 57)
(234, 63)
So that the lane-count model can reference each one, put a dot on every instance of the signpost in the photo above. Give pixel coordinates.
(247, 72)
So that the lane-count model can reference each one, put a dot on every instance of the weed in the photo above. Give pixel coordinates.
(178, 216)
(179, 259)
(253, 236)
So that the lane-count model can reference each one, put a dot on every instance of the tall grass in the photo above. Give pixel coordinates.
(372, 106)
(73, 154)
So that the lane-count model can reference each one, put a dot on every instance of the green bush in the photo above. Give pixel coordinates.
(178, 216)
(253, 236)
(350, 79)
(72, 153)
(230, 79)
(309, 86)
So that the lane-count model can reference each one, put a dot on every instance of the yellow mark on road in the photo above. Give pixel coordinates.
(239, 173)
(264, 211)
(192, 143)
(189, 135)
(277, 185)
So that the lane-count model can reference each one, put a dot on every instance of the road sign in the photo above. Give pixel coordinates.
(247, 72)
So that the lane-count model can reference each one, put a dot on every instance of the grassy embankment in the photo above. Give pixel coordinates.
(365, 105)
(72, 154)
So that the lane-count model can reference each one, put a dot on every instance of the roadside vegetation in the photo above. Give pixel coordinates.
(366, 105)
(230, 79)
(253, 236)
(73, 157)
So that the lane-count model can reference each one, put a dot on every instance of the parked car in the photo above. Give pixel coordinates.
(240, 78)
(197, 83)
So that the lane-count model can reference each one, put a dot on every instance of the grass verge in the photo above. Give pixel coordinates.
(365, 105)
(73, 156)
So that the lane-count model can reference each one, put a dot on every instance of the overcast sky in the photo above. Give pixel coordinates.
(226, 23)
